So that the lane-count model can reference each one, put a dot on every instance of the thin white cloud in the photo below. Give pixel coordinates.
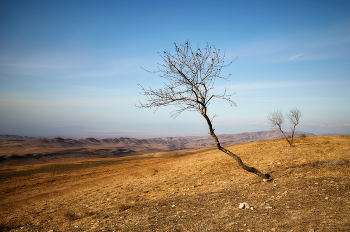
(329, 124)
(73, 65)
(318, 46)
(275, 85)
(3, 77)
(67, 102)
(296, 56)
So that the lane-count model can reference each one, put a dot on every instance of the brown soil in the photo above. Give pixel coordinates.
(192, 190)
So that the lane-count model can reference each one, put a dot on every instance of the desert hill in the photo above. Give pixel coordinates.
(186, 190)
(17, 152)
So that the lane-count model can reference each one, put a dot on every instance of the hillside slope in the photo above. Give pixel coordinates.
(192, 190)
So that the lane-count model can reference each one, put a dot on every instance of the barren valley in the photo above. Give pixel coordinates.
(17, 150)
(198, 189)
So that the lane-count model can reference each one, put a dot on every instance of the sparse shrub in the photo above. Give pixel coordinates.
(88, 213)
(70, 216)
(303, 135)
(123, 207)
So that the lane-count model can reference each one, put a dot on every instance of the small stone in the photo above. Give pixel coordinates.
(231, 224)
(312, 230)
(326, 198)
(173, 206)
(251, 207)
(244, 205)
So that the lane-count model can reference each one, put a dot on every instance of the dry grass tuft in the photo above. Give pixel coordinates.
(88, 213)
(70, 215)
(123, 207)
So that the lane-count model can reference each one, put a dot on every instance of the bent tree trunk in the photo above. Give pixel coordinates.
(237, 158)
(290, 143)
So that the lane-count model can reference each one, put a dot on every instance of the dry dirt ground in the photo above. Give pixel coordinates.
(192, 190)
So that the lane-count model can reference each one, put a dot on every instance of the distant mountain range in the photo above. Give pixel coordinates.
(17, 137)
(193, 140)
(23, 150)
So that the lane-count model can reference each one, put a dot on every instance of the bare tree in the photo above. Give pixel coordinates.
(276, 120)
(294, 116)
(191, 75)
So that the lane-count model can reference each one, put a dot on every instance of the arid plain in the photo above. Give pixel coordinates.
(196, 189)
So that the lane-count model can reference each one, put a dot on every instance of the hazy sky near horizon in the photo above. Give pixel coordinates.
(71, 68)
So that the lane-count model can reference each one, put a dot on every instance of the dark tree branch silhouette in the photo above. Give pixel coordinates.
(191, 75)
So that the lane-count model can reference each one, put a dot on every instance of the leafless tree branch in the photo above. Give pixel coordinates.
(191, 75)
(276, 120)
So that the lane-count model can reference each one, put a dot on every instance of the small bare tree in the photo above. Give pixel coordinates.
(191, 75)
(276, 120)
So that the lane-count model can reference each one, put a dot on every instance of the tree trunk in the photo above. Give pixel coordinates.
(237, 158)
(290, 142)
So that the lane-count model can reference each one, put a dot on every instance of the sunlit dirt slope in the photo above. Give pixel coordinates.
(192, 190)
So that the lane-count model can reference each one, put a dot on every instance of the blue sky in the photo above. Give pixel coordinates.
(71, 68)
